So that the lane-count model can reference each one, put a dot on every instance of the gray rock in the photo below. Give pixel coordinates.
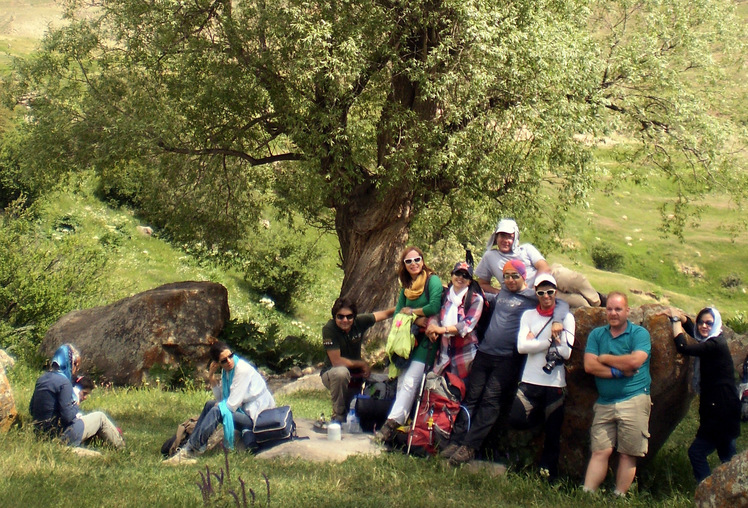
(171, 325)
(312, 382)
(728, 485)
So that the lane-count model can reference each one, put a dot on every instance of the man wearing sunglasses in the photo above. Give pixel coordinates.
(618, 356)
(542, 390)
(342, 337)
(496, 368)
(241, 394)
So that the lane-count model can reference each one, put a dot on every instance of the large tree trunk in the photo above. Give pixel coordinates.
(372, 231)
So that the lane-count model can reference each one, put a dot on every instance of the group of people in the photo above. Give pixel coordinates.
(240, 395)
(517, 369)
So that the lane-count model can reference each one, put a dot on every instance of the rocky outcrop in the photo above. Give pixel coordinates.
(8, 412)
(728, 485)
(171, 325)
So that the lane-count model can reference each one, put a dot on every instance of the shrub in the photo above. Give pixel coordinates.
(605, 257)
(279, 263)
(263, 344)
(732, 280)
(738, 323)
(42, 279)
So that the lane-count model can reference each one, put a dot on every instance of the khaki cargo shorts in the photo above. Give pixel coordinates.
(623, 425)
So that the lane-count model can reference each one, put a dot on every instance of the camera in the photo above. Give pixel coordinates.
(552, 358)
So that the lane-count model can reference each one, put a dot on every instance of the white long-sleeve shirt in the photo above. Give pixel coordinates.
(248, 390)
(536, 346)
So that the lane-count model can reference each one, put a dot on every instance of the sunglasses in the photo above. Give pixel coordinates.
(705, 323)
(549, 292)
(514, 276)
(225, 361)
(412, 260)
(344, 317)
(463, 275)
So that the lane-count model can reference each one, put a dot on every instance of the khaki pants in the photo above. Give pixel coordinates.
(98, 424)
(337, 380)
(574, 288)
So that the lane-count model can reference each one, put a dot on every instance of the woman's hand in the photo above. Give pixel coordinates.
(432, 331)
(407, 311)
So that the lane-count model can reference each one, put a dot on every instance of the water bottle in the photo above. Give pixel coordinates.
(352, 423)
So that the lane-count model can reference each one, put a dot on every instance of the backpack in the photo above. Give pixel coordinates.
(184, 430)
(374, 402)
(437, 413)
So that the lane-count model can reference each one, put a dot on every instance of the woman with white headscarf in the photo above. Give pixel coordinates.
(714, 380)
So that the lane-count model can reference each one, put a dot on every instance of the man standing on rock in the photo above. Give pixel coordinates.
(342, 337)
(618, 356)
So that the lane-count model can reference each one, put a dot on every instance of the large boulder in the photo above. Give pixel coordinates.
(8, 412)
(171, 325)
(671, 395)
(727, 486)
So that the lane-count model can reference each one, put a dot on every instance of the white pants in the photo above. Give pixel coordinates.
(408, 385)
(98, 424)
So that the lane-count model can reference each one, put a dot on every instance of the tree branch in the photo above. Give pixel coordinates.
(228, 152)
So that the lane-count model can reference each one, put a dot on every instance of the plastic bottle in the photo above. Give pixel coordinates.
(352, 423)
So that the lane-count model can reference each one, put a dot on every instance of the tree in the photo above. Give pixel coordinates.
(367, 116)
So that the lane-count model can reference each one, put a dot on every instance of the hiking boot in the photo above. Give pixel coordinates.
(387, 432)
(183, 456)
(450, 450)
(463, 455)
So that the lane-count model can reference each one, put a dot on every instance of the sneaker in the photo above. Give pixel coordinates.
(450, 450)
(387, 432)
(463, 455)
(183, 456)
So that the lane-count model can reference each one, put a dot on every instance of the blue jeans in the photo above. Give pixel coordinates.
(700, 450)
(208, 422)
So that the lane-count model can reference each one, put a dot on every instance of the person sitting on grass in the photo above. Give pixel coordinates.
(344, 370)
(240, 396)
(54, 406)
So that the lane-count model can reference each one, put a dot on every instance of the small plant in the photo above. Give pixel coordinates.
(738, 323)
(215, 490)
(605, 257)
(730, 281)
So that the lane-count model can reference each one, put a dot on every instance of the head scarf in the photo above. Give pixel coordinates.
(716, 327)
(505, 225)
(715, 331)
(517, 265)
(63, 360)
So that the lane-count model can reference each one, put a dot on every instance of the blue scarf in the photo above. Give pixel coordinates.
(62, 361)
(228, 418)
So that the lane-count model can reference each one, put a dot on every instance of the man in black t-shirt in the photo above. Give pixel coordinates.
(342, 337)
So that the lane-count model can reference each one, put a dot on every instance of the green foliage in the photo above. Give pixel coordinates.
(41, 279)
(278, 262)
(605, 257)
(260, 340)
(738, 322)
(731, 280)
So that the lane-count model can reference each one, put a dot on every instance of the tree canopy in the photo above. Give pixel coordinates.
(370, 117)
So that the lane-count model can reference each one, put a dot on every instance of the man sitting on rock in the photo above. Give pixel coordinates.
(240, 396)
(618, 356)
(342, 337)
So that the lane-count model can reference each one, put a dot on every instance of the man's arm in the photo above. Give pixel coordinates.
(542, 266)
(486, 286)
(626, 363)
(339, 361)
(381, 315)
(592, 365)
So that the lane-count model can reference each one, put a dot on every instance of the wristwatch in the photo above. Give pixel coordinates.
(674, 319)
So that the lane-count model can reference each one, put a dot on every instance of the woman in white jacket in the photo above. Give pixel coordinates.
(542, 389)
(240, 396)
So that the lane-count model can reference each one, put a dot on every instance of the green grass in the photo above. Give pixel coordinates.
(40, 473)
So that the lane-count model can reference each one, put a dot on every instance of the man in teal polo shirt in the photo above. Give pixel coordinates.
(618, 356)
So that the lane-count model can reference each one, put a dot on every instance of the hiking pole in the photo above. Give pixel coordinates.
(420, 397)
(418, 406)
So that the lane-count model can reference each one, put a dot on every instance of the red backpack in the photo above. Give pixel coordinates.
(436, 415)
